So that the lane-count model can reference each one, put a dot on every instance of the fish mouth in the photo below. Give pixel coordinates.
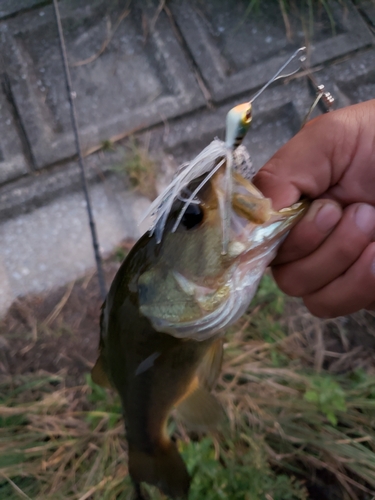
(241, 287)
(188, 309)
(250, 255)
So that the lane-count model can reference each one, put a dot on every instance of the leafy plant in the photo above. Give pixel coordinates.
(236, 474)
(328, 396)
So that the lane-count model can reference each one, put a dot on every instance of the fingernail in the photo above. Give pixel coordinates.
(327, 216)
(365, 218)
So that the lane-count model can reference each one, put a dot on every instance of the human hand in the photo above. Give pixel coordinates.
(328, 258)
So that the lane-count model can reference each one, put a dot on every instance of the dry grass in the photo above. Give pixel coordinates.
(306, 14)
(300, 414)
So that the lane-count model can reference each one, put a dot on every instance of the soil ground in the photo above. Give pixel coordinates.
(57, 331)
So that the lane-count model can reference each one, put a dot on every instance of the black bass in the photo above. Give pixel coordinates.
(181, 285)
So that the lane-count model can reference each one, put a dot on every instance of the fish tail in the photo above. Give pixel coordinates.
(163, 468)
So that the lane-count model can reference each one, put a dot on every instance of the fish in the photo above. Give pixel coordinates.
(162, 322)
(179, 288)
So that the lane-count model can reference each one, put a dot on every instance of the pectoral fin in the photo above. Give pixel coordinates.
(209, 370)
(200, 409)
(99, 375)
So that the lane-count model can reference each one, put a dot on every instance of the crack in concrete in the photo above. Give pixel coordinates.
(189, 56)
(38, 5)
(26, 146)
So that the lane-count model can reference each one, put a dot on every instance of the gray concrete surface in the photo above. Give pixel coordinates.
(173, 77)
(237, 52)
(135, 83)
(52, 244)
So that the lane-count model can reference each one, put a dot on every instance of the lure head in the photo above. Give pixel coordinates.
(237, 124)
(189, 289)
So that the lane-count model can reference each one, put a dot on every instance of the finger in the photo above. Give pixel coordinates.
(310, 232)
(336, 254)
(352, 291)
(319, 155)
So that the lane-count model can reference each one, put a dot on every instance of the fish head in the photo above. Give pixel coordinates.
(191, 288)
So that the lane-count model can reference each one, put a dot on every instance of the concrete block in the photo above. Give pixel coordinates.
(238, 52)
(31, 192)
(142, 78)
(52, 245)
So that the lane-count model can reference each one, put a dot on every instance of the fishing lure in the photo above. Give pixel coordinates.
(210, 160)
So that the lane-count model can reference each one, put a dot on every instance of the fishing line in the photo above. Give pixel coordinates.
(73, 115)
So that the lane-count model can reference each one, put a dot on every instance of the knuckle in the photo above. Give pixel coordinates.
(286, 281)
(346, 250)
(350, 246)
(318, 308)
(293, 248)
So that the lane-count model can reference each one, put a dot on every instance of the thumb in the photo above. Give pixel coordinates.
(316, 158)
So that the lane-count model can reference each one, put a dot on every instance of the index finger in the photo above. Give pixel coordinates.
(317, 157)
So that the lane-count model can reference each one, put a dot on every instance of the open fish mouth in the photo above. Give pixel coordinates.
(251, 253)
(174, 295)
(241, 288)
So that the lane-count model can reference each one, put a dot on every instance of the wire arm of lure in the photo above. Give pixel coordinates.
(301, 53)
(326, 97)
(323, 97)
(312, 107)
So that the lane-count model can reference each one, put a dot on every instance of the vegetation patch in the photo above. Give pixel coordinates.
(139, 168)
(300, 410)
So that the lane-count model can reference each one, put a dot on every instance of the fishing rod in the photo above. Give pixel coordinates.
(73, 116)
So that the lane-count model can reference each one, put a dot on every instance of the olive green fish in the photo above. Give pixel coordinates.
(176, 291)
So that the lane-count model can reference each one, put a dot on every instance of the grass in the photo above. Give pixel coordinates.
(290, 423)
(306, 13)
(139, 168)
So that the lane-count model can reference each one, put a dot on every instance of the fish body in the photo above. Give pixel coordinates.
(152, 372)
(164, 315)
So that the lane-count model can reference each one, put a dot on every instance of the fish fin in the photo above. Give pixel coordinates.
(98, 374)
(209, 369)
(200, 409)
(163, 468)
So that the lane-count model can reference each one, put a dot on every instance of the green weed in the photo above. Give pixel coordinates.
(328, 396)
(236, 474)
(139, 168)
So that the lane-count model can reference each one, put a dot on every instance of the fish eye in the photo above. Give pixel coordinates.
(193, 216)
